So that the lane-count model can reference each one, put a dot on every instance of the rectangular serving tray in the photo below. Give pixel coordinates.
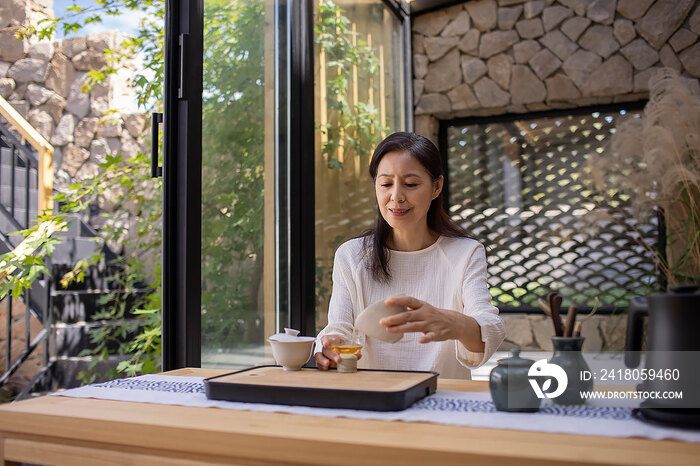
(367, 389)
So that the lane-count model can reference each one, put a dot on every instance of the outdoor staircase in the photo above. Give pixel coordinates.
(46, 336)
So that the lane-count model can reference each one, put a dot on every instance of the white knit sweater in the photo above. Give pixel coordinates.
(449, 274)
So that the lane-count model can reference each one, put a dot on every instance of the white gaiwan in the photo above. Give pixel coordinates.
(368, 321)
(290, 350)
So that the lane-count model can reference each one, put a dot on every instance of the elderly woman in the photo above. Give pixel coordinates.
(416, 257)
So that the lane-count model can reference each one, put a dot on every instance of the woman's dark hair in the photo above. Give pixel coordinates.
(438, 221)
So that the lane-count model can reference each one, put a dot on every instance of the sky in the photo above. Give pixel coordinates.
(126, 22)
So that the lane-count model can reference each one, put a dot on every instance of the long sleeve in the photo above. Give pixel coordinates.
(340, 309)
(477, 304)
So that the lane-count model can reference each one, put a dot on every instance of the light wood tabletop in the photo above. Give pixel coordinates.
(79, 431)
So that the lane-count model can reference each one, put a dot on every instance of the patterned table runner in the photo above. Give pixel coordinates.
(472, 409)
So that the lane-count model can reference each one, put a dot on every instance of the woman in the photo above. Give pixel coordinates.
(417, 257)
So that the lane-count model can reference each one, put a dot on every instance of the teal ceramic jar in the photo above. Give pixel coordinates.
(509, 386)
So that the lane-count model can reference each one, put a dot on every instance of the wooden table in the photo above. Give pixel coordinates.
(76, 431)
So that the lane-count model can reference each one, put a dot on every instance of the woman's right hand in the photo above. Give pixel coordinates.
(328, 358)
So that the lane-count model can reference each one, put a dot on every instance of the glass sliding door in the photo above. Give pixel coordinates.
(360, 79)
(260, 129)
(238, 197)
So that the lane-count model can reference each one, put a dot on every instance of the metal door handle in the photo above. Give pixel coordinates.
(156, 119)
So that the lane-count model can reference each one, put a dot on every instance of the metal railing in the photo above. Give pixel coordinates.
(35, 173)
(43, 148)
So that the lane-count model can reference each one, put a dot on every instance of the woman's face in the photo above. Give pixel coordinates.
(404, 190)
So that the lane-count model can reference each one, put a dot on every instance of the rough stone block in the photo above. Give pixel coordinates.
(72, 47)
(640, 54)
(4, 67)
(427, 126)
(472, 69)
(533, 8)
(37, 95)
(420, 66)
(41, 50)
(22, 107)
(85, 131)
(483, 14)
(443, 74)
(525, 50)
(28, 69)
(561, 88)
(641, 79)
(496, 42)
(663, 19)
(669, 59)
(508, 16)
(11, 49)
(462, 98)
(525, 87)
(42, 122)
(574, 27)
(624, 32)
(490, 94)
(599, 39)
(433, 104)
(529, 28)
(518, 330)
(64, 131)
(559, 44)
(89, 60)
(633, 9)
(102, 41)
(61, 74)
(54, 106)
(580, 65)
(544, 63)
(458, 26)
(690, 58)
(431, 24)
(694, 21)
(500, 67)
(7, 86)
(418, 88)
(682, 39)
(110, 128)
(601, 11)
(470, 42)
(135, 124)
(437, 47)
(579, 6)
(417, 43)
(553, 16)
(87, 171)
(73, 158)
(614, 77)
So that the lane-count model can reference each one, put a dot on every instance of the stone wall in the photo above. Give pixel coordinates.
(490, 57)
(42, 80)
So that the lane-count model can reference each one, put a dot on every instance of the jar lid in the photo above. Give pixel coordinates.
(516, 360)
(289, 335)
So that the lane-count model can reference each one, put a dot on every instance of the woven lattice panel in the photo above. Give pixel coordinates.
(523, 188)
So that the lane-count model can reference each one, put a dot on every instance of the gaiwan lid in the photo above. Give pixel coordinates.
(516, 360)
(290, 335)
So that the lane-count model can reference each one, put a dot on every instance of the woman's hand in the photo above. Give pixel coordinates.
(435, 324)
(328, 358)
